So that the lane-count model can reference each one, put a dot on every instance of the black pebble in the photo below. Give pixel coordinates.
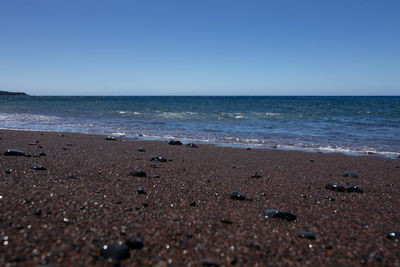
(32, 143)
(72, 176)
(141, 149)
(175, 143)
(110, 138)
(134, 242)
(64, 148)
(279, 214)
(60, 135)
(141, 191)
(354, 188)
(237, 195)
(156, 176)
(256, 175)
(26, 201)
(38, 212)
(395, 234)
(330, 198)
(7, 171)
(350, 174)
(307, 235)
(193, 203)
(335, 187)
(42, 154)
(159, 159)
(117, 251)
(38, 167)
(138, 173)
(226, 221)
(192, 145)
(14, 152)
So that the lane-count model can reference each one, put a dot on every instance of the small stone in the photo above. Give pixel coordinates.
(156, 176)
(354, 188)
(116, 251)
(209, 262)
(42, 154)
(138, 173)
(335, 187)
(65, 220)
(311, 160)
(330, 198)
(64, 148)
(145, 205)
(38, 212)
(60, 135)
(110, 138)
(350, 174)
(159, 159)
(175, 143)
(193, 203)
(237, 195)
(141, 149)
(395, 234)
(192, 145)
(226, 221)
(307, 235)
(38, 167)
(141, 191)
(14, 152)
(7, 171)
(134, 242)
(279, 214)
(154, 166)
(26, 201)
(256, 175)
(69, 144)
(32, 143)
(72, 176)
(189, 235)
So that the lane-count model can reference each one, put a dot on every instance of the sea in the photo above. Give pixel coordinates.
(368, 125)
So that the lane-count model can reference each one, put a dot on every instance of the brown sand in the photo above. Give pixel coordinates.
(102, 205)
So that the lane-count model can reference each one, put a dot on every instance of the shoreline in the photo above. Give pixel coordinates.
(86, 198)
(344, 151)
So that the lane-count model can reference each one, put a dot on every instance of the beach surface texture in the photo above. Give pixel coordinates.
(78, 200)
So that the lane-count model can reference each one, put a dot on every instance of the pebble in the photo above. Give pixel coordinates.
(335, 187)
(7, 171)
(226, 221)
(354, 188)
(60, 135)
(38, 212)
(141, 191)
(192, 145)
(116, 251)
(138, 173)
(209, 262)
(134, 242)
(156, 176)
(175, 143)
(307, 235)
(42, 154)
(395, 234)
(256, 175)
(72, 176)
(350, 174)
(38, 167)
(193, 203)
(279, 214)
(330, 198)
(14, 152)
(159, 159)
(237, 195)
(141, 149)
(110, 138)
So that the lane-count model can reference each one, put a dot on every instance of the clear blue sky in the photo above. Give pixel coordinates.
(203, 47)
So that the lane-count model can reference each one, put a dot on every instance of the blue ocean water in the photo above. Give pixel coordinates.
(332, 124)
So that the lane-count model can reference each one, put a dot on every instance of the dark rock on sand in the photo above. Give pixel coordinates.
(60, 135)
(354, 188)
(134, 242)
(193, 203)
(395, 234)
(226, 221)
(192, 145)
(350, 174)
(237, 195)
(156, 176)
(141, 149)
(110, 138)
(209, 262)
(256, 175)
(14, 152)
(335, 187)
(307, 235)
(138, 173)
(38, 212)
(141, 191)
(38, 167)
(116, 251)
(175, 143)
(7, 171)
(159, 159)
(279, 214)
(72, 176)
(42, 154)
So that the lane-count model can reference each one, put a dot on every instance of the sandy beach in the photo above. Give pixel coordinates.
(86, 200)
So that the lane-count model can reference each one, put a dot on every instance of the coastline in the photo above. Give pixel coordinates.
(102, 205)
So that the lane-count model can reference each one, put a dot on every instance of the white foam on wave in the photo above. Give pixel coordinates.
(26, 117)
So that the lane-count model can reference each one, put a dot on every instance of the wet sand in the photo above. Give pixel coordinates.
(86, 198)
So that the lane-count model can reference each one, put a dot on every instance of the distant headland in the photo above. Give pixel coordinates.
(12, 93)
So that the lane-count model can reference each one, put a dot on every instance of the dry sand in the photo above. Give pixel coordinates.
(86, 199)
